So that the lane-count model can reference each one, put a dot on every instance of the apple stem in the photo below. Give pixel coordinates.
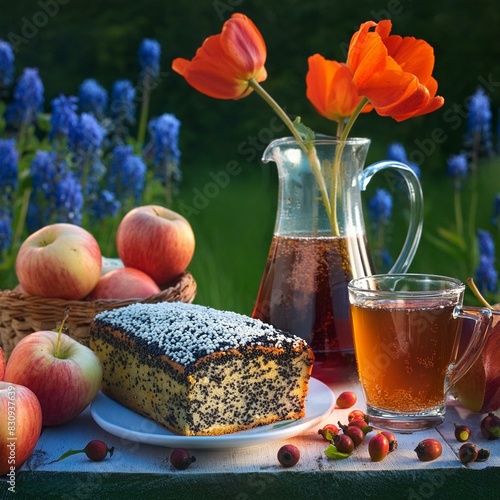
(59, 333)
(477, 293)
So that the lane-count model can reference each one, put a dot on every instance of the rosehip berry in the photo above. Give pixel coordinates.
(490, 426)
(467, 453)
(428, 450)
(356, 434)
(329, 431)
(288, 455)
(357, 415)
(359, 423)
(97, 450)
(462, 433)
(393, 442)
(378, 447)
(346, 399)
(181, 459)
(344, 443)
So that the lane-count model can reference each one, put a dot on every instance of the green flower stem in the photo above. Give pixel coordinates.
(459, 221)
(310, 151)
(22, 216)
(344, 133)
(143, 120)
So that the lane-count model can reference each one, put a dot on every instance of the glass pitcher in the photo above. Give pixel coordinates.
(319, 242)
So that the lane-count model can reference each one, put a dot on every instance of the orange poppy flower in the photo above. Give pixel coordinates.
(330, 89)
(393, 72)
(225, 63)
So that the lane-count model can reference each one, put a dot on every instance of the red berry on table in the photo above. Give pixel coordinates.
(462, 433)
(288, 455)
(378, 447)
(428, 450)
(181, 459)
(97, 450)
(346, 399)
(329, 431)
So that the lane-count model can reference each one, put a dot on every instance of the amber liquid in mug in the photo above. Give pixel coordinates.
(304, 288)
(403, 353)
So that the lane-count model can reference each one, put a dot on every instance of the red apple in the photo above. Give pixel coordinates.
(64, 375)
(124, 283)
(2, 363)
(157, 241)
(60, 260)
(20, 426)
(479, 389)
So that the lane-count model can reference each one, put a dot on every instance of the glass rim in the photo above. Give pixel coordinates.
(451, 285)
(324, 139)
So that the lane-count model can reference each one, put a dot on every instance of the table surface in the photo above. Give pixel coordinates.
(254, 472)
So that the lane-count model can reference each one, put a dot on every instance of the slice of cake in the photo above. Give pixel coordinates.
(200, 371)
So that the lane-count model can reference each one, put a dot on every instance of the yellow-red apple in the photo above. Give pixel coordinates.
(64, 374)
(59, 260)
(479, 389)
(124, 283)
(157, 241)
(20, 426)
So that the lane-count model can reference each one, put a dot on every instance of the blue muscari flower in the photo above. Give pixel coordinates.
(5, 231)
(149, 57)
(104, 205)
(92, 98)
(486, 244)
(6, 63)
(479, 118)
(9, 161)
(28, 99)
(127, 173)
(86, 135)
(123, 100)
(397, 152)
(457, 166)
(44, 172)
(164, 132)
(486, 276)
(479, 112)
(63, 116)
(69, 199)
(84, 141)
(380, 206)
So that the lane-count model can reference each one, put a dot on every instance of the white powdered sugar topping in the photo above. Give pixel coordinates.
(188, 332)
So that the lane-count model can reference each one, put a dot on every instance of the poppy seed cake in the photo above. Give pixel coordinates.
(198, 370)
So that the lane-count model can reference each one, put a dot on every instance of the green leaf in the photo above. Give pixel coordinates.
(445, 247)
(333, 453)
(451, 236)
(306, 133)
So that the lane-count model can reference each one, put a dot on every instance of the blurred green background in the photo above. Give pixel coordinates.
(233, 214)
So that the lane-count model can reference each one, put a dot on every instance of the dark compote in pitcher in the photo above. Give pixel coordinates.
(319, 242)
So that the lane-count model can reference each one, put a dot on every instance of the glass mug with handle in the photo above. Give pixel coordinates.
(406, 331)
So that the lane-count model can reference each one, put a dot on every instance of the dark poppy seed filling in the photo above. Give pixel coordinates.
(200, 371)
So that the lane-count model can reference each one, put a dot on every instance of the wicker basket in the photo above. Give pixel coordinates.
(22, 314)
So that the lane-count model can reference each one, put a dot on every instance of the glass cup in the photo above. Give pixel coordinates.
(406, 331)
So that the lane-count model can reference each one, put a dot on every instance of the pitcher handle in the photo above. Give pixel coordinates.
(416, 209)
(483, 319)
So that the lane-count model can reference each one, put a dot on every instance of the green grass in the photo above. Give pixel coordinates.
(233, 218)
(234, 230)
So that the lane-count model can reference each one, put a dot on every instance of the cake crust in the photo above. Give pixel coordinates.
(199, 371)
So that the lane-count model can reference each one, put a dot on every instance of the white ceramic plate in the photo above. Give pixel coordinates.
(122, 422)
